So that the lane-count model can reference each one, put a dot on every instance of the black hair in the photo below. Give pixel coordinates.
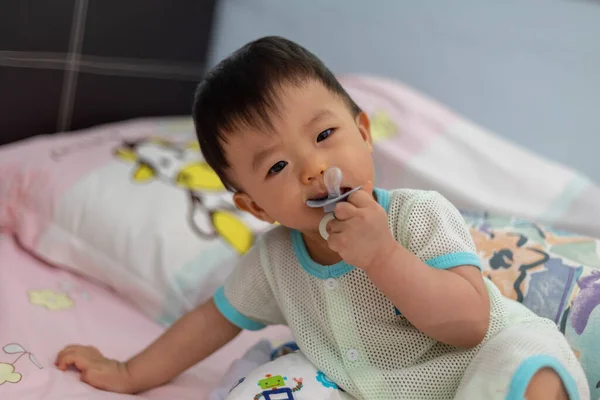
(242, 91)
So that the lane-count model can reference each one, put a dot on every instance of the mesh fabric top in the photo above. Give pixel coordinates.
(341, 320)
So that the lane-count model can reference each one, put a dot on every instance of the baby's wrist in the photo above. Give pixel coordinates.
(385, 258)
(133, 384)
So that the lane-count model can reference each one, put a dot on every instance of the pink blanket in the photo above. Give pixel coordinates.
(47, 308)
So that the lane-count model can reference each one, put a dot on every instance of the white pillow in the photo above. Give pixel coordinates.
(133, 205)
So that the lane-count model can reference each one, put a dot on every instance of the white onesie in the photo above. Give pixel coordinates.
(348, 329)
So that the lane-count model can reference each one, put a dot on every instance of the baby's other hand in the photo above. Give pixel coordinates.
(96, 370)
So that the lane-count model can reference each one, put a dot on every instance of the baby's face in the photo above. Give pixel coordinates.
(279, 171)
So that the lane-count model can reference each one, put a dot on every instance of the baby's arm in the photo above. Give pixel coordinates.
(427, 267)
(191, 339)
(452, 305)
(432, 275)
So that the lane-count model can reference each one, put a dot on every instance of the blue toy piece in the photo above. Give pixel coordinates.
(325, 381)
(286, 391)
(284, 349)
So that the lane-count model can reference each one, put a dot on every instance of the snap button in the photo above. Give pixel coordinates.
(331, 283)
(352, 355)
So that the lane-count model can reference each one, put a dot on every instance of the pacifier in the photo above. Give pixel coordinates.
(333, 181)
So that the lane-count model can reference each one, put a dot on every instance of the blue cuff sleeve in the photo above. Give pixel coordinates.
(233, 315)
(522, 376)
(454, 260)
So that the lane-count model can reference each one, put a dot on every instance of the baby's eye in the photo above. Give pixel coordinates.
(324, 135)
(277, 167)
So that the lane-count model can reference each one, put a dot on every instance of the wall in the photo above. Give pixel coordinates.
(529, 70)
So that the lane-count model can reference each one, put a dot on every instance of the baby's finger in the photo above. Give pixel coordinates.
(361, 199)
(60, 357)
(79, 362)
(67, 350)
(368, 187)
(344, 210)
(66, 360)
(63, 352)
(337, 226)
(73, 356)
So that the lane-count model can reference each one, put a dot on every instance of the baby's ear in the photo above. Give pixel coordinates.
(245, 203)
(364, 127)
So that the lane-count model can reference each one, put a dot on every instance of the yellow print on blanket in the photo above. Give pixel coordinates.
(212, 213)
(382, 127)
(51, 300)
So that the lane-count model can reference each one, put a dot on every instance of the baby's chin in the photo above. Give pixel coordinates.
(307, 225)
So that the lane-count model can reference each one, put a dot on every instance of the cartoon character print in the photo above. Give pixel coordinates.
(511, 260)
(586, 301)
(552, 273)
(276, 385)
(579, 249)
(7, 370)
(581, 326)
(521, 266)
(212, 213)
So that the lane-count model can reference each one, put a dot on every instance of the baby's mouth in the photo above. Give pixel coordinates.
(325, 196)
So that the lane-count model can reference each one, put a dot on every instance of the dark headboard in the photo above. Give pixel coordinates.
(72, 64)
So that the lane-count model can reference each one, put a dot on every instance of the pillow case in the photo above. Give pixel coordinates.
(556, 274)
(421, 144)
(132, 205)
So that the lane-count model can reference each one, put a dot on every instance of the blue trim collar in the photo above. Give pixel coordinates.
(329, 271)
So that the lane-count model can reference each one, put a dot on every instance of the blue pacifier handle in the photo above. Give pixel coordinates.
(329, 204)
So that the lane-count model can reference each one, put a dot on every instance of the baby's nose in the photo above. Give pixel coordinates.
(313, 170)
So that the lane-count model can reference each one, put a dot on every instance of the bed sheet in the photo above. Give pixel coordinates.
(46, 308)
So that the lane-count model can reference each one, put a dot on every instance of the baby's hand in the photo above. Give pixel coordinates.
(96, 370)
(360, 233)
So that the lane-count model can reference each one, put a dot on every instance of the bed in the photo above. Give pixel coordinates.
(114, 227)
(92, 63)
(48, 308)
(113, 232)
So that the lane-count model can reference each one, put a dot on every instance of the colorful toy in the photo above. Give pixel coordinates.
(274, 387)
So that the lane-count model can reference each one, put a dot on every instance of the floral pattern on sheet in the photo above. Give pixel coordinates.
(50, 299)
(554, 273)
(63, 297)
(8, 373)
